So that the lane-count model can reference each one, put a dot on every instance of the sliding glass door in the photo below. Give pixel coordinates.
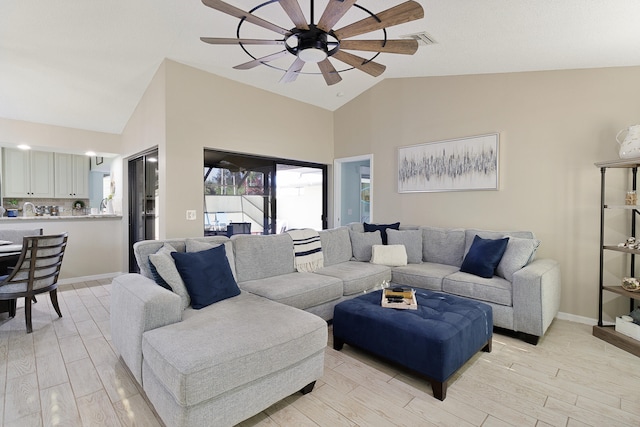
(261, 195)
(143, 201)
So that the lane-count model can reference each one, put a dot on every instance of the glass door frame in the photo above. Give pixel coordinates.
(134, 204)
(268, 166)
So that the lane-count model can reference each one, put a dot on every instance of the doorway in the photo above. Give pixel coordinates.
(262, 195)
(353, 189)
(143, 201)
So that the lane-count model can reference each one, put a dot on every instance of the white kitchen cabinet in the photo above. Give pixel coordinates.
(28, 174)
(71, 176)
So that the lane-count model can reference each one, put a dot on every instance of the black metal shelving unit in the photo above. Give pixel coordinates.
(602, 331)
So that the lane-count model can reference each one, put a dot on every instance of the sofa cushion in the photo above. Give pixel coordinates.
(336, 245)
(391, 255)
(358, 227)
(427, 275)
(361, 244)
(484, 256)
(207, 276)
(258, 257)
(518, 254)
(195, 368)
(166, 267)
(443, 245)
(299, 290)
(412, 241)
(194, 245)
(382, 228)
(158, 278)
(144, 248)
(358, 276)
(471, 233)
(494, 290)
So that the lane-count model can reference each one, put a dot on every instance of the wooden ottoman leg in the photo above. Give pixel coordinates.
(439, 389)
(487, 348)
(337, 343)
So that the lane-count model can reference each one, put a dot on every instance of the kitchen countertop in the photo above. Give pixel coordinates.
(60, 217)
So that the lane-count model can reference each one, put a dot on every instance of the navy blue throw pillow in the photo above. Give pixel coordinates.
(158, 278)
(207, 276)
(484, 256)
(382, 228)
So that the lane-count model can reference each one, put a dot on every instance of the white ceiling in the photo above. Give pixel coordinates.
(86, 63)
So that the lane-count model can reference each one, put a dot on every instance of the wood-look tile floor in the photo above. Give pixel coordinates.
(66, 373)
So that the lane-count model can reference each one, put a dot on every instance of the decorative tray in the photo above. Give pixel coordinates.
(402, 298)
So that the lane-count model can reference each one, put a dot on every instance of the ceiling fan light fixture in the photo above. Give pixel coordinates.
(312, 54)
(313, 47)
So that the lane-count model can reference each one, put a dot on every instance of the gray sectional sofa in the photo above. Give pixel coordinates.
(228, 361)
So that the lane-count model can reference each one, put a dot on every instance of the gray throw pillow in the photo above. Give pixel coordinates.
(412, 241)
(443, 245)
(198, 246)
(166, 267)
(361, 244)
(518, 254)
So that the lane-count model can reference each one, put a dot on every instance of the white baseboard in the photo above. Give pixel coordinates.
(72, 280)
(580, 319)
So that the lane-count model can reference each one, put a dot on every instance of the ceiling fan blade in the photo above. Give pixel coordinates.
(260, 61)
(372, 68)
(292, 72)
(333, 12)
(241, 14)
(404, 12)
(215, 40)
(329, 72)
(405, 47)
(292, 7)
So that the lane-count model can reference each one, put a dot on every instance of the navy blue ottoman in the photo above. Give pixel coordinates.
(435, 340)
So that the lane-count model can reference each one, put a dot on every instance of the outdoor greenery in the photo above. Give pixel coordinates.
(225, 182)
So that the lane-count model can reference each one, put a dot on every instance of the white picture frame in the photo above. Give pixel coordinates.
(462, 164)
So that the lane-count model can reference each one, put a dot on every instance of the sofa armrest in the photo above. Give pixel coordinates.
(138, 305)
(536, 296)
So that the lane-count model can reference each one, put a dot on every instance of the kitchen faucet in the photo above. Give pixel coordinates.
(24, 208)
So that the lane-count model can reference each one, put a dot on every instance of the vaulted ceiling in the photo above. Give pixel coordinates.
(85, 64)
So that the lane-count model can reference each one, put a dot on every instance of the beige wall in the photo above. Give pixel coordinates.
(91, 250)
(146, 127)
(207, 111)
(553, 126)
(56, 137)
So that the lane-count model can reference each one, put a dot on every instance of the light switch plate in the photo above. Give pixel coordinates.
(191, 215)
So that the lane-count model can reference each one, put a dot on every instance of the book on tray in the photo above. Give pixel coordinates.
(402, 298)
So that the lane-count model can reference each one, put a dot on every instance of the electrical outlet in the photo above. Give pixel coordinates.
(191, 215)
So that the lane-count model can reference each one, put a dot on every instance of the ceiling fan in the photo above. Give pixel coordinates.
(317, 42)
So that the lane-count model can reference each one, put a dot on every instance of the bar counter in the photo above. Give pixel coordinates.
(59, 217)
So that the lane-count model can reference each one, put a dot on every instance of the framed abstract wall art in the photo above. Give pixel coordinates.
(461, 164)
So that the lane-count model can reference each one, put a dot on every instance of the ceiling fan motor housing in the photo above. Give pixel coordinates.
(312, 44)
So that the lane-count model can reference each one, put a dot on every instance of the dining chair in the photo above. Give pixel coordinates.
(36, 272)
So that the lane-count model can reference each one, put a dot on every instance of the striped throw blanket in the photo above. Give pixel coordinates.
(307, 250)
